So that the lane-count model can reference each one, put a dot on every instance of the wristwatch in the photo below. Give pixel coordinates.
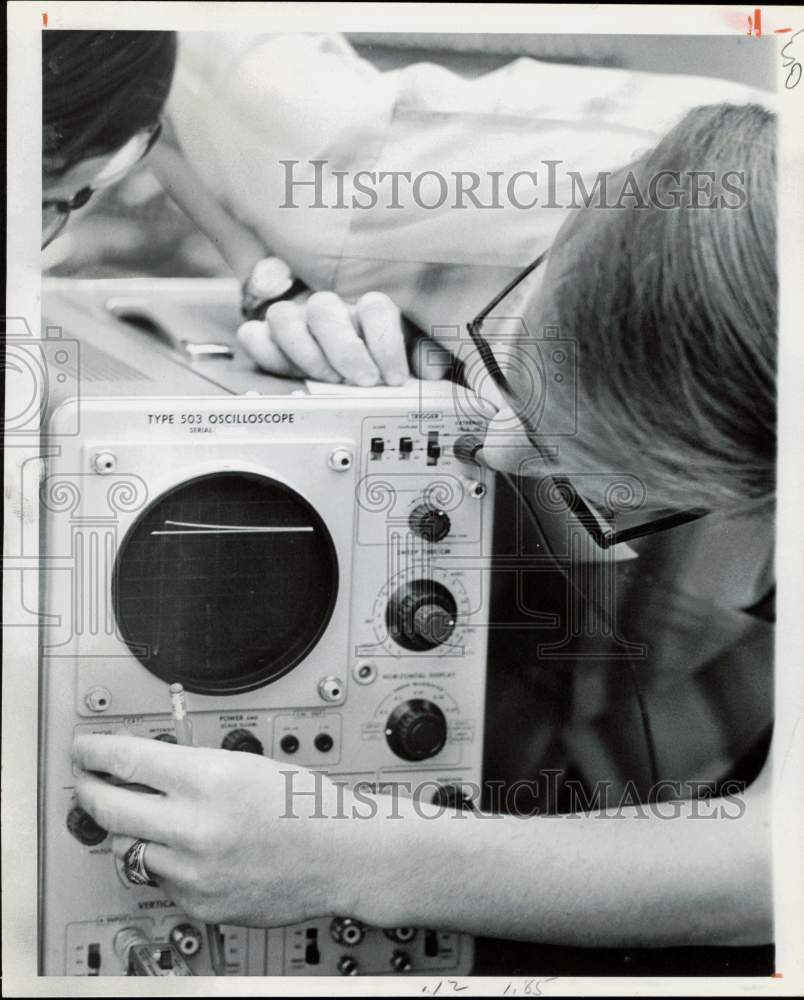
(271, 280)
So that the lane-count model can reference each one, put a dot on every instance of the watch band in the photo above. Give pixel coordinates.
(270, 281)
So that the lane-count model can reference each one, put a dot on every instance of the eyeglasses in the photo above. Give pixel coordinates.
(56, 212)
(600, 525)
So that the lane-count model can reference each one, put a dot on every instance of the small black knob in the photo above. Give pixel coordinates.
(466, 448)
(429, 523)
(452, 796)
(347, 966)
(400, 961)
(416, 730)
(242, 740)
(84, 828)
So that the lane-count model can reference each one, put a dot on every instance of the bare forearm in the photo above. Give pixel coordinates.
(237, 244)
(630, 878)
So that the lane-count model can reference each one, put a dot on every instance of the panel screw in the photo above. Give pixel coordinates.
(98, 699)
(340, 460)
(104, 463)
(330, 688)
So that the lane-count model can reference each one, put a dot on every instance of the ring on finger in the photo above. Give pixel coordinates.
(134, 865)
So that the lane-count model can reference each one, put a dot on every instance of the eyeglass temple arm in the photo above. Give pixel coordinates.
(508, 288)
(473, 328)
(606, 537)
(487, 357)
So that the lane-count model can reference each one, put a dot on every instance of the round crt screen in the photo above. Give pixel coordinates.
(225, 583)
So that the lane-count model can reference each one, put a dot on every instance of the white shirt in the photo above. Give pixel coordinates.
(241, 104)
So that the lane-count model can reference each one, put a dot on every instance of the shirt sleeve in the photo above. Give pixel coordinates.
(284, 127)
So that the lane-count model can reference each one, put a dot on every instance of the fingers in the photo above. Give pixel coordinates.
(134, 760)
(324, 340)
(329, 321)
(121, 810)
(287, 327)
(256, 340)
(381, 325)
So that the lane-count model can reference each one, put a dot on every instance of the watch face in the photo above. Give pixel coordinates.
(225, 583)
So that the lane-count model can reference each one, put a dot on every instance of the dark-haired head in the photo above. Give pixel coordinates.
(100, 88)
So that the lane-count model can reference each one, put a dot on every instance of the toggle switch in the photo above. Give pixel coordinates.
(405, 447)
(312, 953)
(431, 946)
(433, 448)
(377, 448)
(94, 959)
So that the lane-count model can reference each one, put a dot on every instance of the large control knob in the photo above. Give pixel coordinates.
(416, 730)
(429, 523)
(421, 615)
(84, 828)
(242, 740)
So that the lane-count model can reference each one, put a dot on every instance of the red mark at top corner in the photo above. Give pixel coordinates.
(777, 975)
(755, 25)
(44, 20)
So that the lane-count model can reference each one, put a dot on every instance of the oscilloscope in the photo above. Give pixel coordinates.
(313, 569)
